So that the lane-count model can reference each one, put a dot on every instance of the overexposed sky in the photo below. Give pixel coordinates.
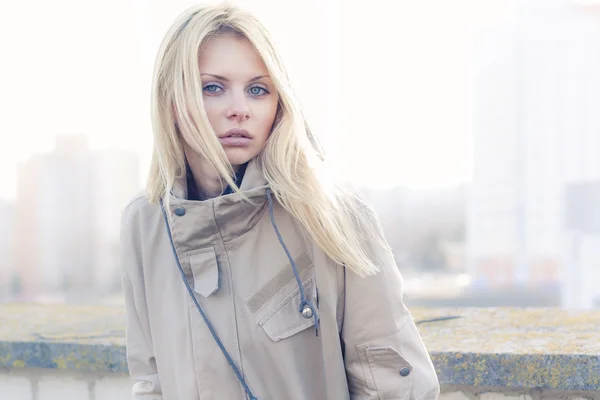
(387, 85)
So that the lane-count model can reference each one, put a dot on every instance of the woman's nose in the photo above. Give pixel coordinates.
(239, 109)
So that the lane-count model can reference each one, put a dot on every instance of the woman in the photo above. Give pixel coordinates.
(246, 273)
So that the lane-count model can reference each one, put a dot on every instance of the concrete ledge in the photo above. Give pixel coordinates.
(87, 339)
(80, 357)
(541, 348)
(499, 347)
(522, 371)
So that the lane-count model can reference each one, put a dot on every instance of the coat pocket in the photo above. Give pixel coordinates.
(391, 372)
(285, 319)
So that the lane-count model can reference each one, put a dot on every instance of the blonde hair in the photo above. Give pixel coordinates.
(291, 160)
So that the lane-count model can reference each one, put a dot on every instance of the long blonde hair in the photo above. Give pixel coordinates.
(291, 161)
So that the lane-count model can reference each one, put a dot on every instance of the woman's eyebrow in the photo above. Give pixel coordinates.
(222, 78)
(256, 78)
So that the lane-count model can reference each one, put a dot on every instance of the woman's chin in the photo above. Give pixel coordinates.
(238, 156)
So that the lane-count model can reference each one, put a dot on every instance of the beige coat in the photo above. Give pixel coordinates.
(367, 347)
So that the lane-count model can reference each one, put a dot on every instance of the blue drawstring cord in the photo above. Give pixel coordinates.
(303, 301)
(210, 327)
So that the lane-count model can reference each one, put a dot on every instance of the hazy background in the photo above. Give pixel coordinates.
(473, 126)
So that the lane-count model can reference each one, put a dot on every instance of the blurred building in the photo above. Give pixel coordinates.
(425, 228)
(582, 246)
(116, 178)
(536, 130)
(7, 268)
(68, 219)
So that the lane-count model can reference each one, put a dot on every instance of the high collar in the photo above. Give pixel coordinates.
(202, 223)
(253, 178)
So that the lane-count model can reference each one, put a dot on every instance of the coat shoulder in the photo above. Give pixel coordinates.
(140, 204)
(138, 200)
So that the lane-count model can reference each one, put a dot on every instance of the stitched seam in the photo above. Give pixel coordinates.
(198, 274)
(232, 300)
(363, 363)
(178, 250)
(253, 302)
(283, 302)
(191, 310)
(199, 251)
(250, 227)
(373, 369)
(300, 324)
(371, 358)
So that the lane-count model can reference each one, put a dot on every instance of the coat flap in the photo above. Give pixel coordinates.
(205, 270)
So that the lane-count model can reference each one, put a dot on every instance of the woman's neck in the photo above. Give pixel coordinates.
(207, 181)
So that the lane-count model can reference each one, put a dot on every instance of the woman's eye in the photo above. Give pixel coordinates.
(257, 91)
(211, 88)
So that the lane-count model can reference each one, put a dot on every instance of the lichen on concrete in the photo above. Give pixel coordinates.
(515, 347)
(62, 337)
(507, 347)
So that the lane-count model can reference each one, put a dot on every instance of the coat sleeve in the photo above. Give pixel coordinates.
(385, 356)
(140, 355)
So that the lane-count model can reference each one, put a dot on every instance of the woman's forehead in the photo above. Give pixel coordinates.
(228, 54)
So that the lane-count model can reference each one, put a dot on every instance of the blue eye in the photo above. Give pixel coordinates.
(258, 91)
(212, 88)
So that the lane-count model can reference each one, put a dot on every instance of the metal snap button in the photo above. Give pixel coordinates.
(307, 312)
(180, 211)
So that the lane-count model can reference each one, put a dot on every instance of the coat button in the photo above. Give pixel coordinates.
(405, 371)
(180, 212)
(307, 312)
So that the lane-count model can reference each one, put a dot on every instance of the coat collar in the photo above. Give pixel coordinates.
(198, 224)
(253, 178)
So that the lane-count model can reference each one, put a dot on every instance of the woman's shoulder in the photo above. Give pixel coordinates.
(138, 200)
(139, 206)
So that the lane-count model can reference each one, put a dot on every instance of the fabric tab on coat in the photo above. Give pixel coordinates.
(205, 270)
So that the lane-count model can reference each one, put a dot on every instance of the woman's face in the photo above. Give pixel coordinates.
(239, 96)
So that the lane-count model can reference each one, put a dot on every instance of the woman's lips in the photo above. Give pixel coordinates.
(236, 137)
(235, 141)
